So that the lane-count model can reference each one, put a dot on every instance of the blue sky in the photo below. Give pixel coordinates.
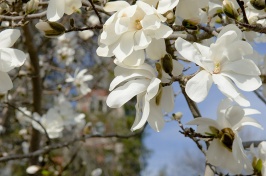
(169, 145)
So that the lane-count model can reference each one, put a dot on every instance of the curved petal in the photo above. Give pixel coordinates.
(6, 83)
(55, 10)
(163, 32)
(153, 88)
(188, 51)
(203, 122)
(228, 89)
(124, 93)
(11, 58)
(125, 46)
(8, 37)
(156, 49)
(141, 40)
(247, 121)
(197, 88)
(231, 27)
(115, 6)
(121, 25)
(244, 82)
(136, 58)
(234, 115)
(166, 5)
(155, 119)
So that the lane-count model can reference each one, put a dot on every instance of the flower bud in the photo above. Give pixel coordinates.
(31, 6)
(190, 24)
(177, 115)
(258, 4)
(229, 9)
(167, 64)
(170, 16)
(50, 29)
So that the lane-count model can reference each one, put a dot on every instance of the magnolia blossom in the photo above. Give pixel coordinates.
(10, 58)
(222, 63)
(131, 30)
(226, 149)
(79, 80)
(51, 121)
(259, 158)
(56, 8)
(152, 98)
(162, 6)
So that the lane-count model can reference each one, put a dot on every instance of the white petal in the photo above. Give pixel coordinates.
(167, 99)
(125, 46)
(55, 10)
(188, 51)
(216, 153)
(141, 40)
(234, 115)
(8, 37)
(231, 27)
(166, 5)
(249, 111)
(11, 58)
(153, 88)
(197, 88)
(156, 50)
(247, 121)
(115, 6)
(227, 88)
(243, 66)
(244, 82)
(123, 94)
(203, 122)
(163, 32)
(155, 119)
(104, 51)
(136, 58)
(121, 25)
(6, 83)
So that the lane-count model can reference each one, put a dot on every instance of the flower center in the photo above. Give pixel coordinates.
(217, 68)
(227, 137)
(138, 25)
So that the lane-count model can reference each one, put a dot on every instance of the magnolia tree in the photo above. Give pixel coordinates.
(153, 45)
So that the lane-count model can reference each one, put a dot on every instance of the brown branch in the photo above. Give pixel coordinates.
(96, 11)
(49, 148)
(241, 5)
(260, 96)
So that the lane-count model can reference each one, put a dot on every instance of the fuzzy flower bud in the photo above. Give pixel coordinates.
(229, 10)
(258, 4)
(50, 29)
(167, 64)
(31, 6)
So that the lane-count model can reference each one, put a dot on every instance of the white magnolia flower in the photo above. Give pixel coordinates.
(152, 99)
(226, 149)
(259, 158)
(51, 121)
(56, 9)
(33, 169)
(162, 6)
(10, 58)
(79, 80)
(131, 30)
(222, 63)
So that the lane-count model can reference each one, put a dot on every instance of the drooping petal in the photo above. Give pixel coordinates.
(55, 10)
(124, 93)
(6, 83)
(8, 37)
(203, 122)
(155, 119)
(249, 111)
(247, 121)
(153, 88)
(227, 88)
(188, 51)
(244, 82)
(197, 88)
(167, 99)
(115, 6)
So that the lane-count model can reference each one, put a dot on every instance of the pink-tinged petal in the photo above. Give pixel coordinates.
(155, 119)
(141, 40)
(228, 89)
(124, 93)
(115, 6)
(163, 32)
(244, 82)
(167, 99)
(240, 157)
(197, 88)
(125, 46)
(234, 115)
(188, 51)
(6, 83)
(153, 88)
(8, 37)
(55, 10)
(145, 107)
(243, 66)
(166, 5)
(156, 49)
(11, 58)
(247, 121)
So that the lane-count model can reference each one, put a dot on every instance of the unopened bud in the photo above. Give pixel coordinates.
(258, 4)
(177, 115)
(51, 29)
(31, 6)
(229, 9)
(170, 16)
(190, 24)
(167, 64)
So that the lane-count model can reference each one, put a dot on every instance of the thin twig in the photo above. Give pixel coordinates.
(241, 5)
(96, 11)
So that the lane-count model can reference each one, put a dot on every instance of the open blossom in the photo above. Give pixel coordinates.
(222, 63)
(56, 9)
(152, 98)
(226, 149)
(129, 31)
(79, 80)
(10, 58)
